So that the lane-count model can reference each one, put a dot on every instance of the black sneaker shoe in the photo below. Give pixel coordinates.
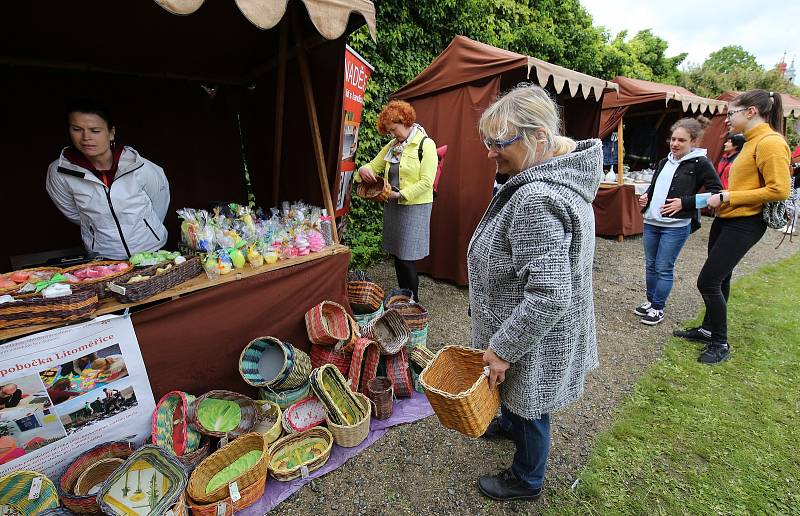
(506, 486)
(653, 317)
(496, 431)
(641, 310)
(696, 334)
(715, 353)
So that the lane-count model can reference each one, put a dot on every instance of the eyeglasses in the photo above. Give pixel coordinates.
(499, 145)
(730, 114)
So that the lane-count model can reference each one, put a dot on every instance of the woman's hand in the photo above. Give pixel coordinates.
(367, 175)
(497, 368)
(672, 206)
(643, 200)
(394, 195)
(714, 201)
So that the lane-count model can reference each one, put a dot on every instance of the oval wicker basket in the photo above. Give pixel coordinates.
(306, 413)
(268, 420)
(458, 390)
(7, 290)
(227, 507)
(341, 403)
(170, 425)
(98, 284)
(349, 436)
(14, 489)
(378, 191)
(284, 399)
(284, 473)
(221, 459)
(95, 475)
(246, 405)
(87, 504)
(33, 309)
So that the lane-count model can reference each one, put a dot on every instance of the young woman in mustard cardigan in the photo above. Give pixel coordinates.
(407, 214)
(759, 175)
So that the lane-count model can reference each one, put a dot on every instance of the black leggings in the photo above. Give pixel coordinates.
(407, 277)
(728, 242)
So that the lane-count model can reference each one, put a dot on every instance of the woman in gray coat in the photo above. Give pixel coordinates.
(530, 278)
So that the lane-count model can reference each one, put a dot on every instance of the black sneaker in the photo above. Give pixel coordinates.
(715, 353)
(506, 486)
(496, 431)
(696, 334)
(653, 317)
(641, 310)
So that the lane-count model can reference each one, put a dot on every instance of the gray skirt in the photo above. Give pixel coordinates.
(406, 230)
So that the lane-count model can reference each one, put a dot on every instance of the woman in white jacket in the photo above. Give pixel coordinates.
(118, 198)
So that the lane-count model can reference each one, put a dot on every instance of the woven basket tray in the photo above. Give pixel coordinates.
(177, 274)
(35, 309)
(246, 422)
(14, 489)
(306, 413)
(284, 399)
(342, 405)
(94, 475)
(377, 191)
(170, 426)
(98, 284)
(458, 390)
(390, 331)
(221, 459)
(227, 507)
(380, 393)
(87, 504)
(349, 436)
(8, 290)
(364, 296)
(283, 472)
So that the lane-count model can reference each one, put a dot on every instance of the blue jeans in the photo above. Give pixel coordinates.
(661, 248)
(532, 437)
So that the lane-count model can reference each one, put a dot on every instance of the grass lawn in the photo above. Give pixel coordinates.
(696, 439)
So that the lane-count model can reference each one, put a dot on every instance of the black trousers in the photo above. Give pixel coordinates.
(728, 242)
(407, 276)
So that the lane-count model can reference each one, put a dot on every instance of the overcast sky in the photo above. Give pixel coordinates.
(703, 26)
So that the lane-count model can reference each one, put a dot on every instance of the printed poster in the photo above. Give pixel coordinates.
(67, 390)
(356, 74)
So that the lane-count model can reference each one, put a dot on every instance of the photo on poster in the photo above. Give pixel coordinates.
(349, 135)
(25, 394)
(345, 180)
(23, 433)
(83, 374)
(95, 406)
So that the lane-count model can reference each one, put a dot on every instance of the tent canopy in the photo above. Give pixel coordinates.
(449, 97)
(195, 94)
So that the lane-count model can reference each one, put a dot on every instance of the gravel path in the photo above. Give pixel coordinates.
(421, 468)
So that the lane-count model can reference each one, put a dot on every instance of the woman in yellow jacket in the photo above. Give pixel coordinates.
(407, 214)
(760, 174)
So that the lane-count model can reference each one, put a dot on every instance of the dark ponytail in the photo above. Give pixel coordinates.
(769, 105)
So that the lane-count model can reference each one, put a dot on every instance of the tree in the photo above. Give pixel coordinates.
(642, 57)
(731, 58)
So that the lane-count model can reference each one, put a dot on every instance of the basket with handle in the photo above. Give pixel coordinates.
(378, 190)
(127, 292)
(458, 390)
(15, 489)
(389, 330)
(170, 426)
(324, 355)
(398, 372)
(247, 417)
(33, 309)
(227, 507)
(364, 365)
(341, 404)
(87, 504)
(380, 392)
(364, 296)
(221, 459)
(312, 446)
(327, 324)
(349, 436)
(98, 284)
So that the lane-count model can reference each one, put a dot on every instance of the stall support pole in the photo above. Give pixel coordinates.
(305, 74)
(620, 153)
(280, 97)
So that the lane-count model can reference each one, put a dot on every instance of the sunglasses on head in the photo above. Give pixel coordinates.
(499, 145)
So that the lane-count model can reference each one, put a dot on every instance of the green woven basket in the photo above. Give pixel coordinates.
(16, 487)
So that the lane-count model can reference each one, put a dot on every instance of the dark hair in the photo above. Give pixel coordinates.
(769, 105)
(737, 140)
(694, 126)
(92, 107)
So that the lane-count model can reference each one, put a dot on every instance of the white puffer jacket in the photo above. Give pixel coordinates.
(119, 221)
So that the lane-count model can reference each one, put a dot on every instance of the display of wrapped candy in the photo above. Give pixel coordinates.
(19, 277)
(148, 258)
(99, 271)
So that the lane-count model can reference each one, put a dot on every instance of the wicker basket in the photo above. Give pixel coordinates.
(414, 314)
(284, 399)
(306, 413)
(349, 436)
(58, 511)
(177, 274)
(14, 489)
(398, 295)
(181, 508)
(8, 290)
(298, 371)
(283, 472)
(227, 507)
(365, 319)
(35, 309)
(417, 338)
(98, 284)
(171, 483)
(95, 475)
(398, 372)
(364, 296)
(327, 324)
(377, 191)
(321, 355)
(358, 275)
(389, 330)
(192, 459)
(364, 366)
(269, 362)
(246, 422)
(380, 393)
(170, 426)
(221, 459)
(341, 404)
(421, 356)
(87, 504)
(268, 420)
(458, 390)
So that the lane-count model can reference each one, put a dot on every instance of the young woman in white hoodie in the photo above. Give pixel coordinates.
(671, 212)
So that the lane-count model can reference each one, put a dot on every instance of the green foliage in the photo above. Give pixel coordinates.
(364, 232)
(695, 439)
(730, 58)
(642, 57)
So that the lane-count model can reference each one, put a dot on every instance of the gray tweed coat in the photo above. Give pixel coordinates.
(530, 281)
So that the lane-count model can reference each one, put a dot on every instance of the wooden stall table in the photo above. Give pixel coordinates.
(617, 212)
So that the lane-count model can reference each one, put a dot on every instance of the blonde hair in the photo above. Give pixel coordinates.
(526, 110)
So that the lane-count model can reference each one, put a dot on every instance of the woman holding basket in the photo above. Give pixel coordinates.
(530, 279)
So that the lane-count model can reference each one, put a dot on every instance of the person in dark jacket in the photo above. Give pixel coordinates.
(670, 211)
(733, 145)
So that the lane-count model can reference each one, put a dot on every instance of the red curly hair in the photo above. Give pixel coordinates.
(396, 112)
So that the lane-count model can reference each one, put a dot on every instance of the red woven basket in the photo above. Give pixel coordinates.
(324, 355)
(327, 324)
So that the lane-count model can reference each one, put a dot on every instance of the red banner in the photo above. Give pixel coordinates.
(356, 74)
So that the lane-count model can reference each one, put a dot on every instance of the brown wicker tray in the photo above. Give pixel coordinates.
(8, 290)
(35, 309)
(134, 292)
(98, 284)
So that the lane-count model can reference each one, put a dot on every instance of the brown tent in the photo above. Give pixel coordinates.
(717, 132)
(195, 94)
(449, 97)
